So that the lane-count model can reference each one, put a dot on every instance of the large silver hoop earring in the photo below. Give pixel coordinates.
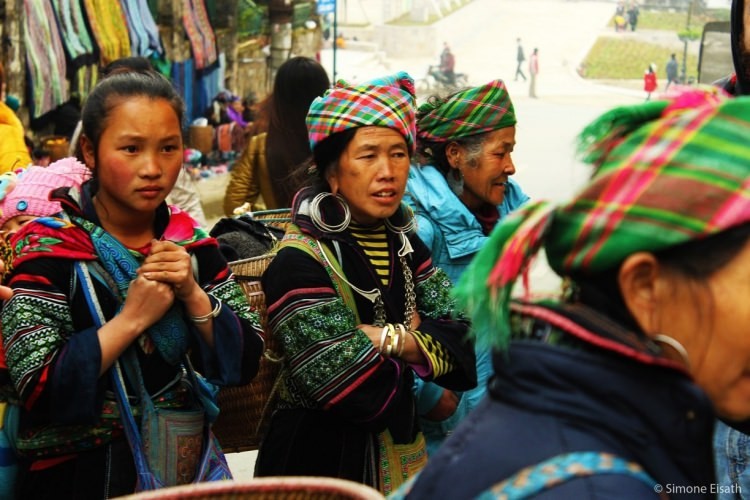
(409, 221)
(317, 218)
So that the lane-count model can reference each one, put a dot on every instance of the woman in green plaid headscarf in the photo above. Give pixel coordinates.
(626, 373)
(460, 189)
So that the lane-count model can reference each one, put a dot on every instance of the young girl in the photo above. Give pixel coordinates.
(160, 283)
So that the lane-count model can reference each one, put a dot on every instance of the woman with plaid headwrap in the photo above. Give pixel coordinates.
(355, 302)
(611, 391)
(460, 190)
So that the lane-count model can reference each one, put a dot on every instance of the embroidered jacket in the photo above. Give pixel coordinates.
(338, 392)
(51, 342)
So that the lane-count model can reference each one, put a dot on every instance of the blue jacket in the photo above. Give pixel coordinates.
(454, 236)
(554, 394)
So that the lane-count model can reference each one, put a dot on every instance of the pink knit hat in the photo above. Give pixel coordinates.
(26, 192)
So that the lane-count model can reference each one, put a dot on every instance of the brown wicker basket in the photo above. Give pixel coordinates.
(280, 217)
(267, 488)
(246, 410)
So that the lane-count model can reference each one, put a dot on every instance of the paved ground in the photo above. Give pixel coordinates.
(483, 37)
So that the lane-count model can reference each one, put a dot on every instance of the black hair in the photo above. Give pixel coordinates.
(325, 158)
(118, 86)
(297, 83)
(696, 260)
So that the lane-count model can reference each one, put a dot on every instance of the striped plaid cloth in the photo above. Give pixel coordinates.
(385, 102)
(469, 112)
(668, 172)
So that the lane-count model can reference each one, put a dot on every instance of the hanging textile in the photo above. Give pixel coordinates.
(144, 35)
(183, 77)
(45, 58)
(109, 27)
(78, 44)
(199, 32)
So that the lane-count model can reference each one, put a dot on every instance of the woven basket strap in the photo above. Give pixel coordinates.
(295, 239)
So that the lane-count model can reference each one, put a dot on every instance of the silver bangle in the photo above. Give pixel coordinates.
(199, 320)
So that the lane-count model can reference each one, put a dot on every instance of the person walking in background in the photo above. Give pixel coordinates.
(355, 301)
(520, 58)
(533, 72)
(267, 165)
(649, 80)
(633, 13)
(611, 390)
(459, 189)
(672, 68)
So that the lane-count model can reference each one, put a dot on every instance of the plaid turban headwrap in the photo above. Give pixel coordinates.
(469, 112)
(669, 172)
(383, 102)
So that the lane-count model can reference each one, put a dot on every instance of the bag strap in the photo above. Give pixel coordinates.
(559, 469)
(130, 361)
(296, 239)
(118, 383)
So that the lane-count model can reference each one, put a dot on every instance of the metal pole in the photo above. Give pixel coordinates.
(335, 36)
(685, 43)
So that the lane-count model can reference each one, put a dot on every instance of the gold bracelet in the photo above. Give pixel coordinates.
(199, 320)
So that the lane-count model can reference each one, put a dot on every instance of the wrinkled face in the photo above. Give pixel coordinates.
(138, 158)
(372, 173)
(713, 324)
(486, 175)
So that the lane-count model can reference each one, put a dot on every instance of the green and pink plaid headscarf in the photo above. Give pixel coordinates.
(384, 102)
(469, 112)
(668, 172)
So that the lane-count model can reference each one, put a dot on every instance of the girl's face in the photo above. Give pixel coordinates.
(372, 173)
(138, 158)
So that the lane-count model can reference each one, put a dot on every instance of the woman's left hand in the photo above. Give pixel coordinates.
(170, 263)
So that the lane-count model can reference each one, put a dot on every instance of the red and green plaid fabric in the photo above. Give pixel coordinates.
(384, 102)
(469, 112)
(672, 172)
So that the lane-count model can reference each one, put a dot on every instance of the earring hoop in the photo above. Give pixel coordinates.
(317, 216)
(410, 224)
(674, 344)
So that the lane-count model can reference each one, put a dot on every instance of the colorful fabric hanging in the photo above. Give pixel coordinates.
(109, 27)
(199, 32)
(144, 35)
(75, 36)
(183, 77)
(45, 58)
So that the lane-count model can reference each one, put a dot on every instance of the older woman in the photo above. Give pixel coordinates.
(355, 301)
(611, 391)
(460, 190)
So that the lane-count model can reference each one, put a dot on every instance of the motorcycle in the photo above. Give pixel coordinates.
(436, 81)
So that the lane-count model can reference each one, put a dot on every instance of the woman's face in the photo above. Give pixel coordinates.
(139, 156)
(372, 173)
(713, 324)
(485, 179)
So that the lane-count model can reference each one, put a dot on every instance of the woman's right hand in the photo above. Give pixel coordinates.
(147, 301)
(444, 408)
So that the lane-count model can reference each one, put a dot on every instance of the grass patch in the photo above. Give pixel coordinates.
(675, 21)
(617, 58)
(406, 20)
